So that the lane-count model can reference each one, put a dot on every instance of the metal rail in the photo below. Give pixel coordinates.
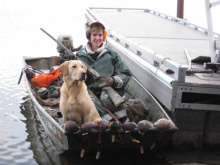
(175, 19)
(215, 57)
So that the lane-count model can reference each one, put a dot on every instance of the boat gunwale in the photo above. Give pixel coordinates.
(35, 100)
(161, 108)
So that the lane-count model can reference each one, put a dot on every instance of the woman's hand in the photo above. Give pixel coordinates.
(105, 81)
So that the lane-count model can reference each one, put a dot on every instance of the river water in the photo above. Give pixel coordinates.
(23, 140)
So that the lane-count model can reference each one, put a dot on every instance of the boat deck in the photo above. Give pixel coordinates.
(147, 33)
(164, 37)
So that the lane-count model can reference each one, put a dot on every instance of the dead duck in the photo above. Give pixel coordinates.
(144, 125)
(53, 92)
(71, 127)
(104, 124)
(42, 92)
(163, 124)
(128, 128)
(86, 128)
(114, 129)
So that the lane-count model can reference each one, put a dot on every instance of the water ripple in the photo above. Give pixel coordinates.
(23, 140)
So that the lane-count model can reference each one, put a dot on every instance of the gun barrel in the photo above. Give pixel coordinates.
(92, 71)
(54, 39)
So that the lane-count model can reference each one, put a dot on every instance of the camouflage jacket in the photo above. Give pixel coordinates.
(108, 63)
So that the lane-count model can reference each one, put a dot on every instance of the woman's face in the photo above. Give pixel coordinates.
(96, 39)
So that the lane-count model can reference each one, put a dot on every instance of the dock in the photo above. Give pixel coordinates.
(172, 57)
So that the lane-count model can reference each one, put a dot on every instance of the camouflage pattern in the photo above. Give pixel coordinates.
(108, 64)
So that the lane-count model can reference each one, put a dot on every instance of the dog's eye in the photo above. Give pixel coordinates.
(82, 66)
(74, 66)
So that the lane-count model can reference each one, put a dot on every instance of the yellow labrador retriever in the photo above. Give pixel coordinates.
(75, 103)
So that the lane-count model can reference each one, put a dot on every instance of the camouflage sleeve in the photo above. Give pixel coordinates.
(122, 73)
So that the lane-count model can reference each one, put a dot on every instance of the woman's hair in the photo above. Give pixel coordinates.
(95, 27)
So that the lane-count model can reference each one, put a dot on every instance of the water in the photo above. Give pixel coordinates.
(23, 140)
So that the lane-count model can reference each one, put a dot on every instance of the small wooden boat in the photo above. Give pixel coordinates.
(65, 141)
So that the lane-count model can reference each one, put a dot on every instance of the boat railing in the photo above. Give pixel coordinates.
(214, 45)
(175, 19)
(143, 65)
(156, 59)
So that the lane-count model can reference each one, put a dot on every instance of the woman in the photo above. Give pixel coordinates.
(108, 64)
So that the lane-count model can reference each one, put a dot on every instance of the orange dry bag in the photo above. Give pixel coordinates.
(44, 80)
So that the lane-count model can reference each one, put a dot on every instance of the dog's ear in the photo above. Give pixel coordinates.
(63, 68)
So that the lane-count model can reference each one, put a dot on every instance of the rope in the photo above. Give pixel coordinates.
(162, 63)
(100, 132)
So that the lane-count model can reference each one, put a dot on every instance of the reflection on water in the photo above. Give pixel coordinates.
(14, 149)
(43, 152)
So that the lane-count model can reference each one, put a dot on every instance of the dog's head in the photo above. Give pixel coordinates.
(75, 69)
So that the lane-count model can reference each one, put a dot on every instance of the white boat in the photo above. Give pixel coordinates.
(176, 61)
